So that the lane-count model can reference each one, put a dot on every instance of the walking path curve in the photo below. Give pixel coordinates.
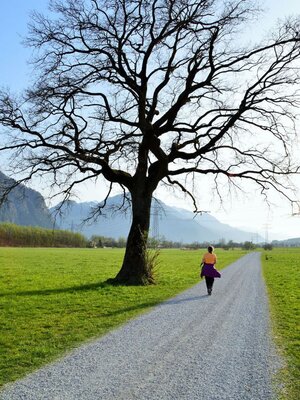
(192, 346)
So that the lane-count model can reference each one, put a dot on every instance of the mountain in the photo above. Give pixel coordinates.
(203, 227)
(293, 242)
(175, 224)
(71, 216)
(24, 206)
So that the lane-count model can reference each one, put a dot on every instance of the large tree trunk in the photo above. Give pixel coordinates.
(135, 269)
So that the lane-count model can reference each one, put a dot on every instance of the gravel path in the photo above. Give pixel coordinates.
(190, 347)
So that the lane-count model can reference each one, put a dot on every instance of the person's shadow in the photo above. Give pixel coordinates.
(182, 300)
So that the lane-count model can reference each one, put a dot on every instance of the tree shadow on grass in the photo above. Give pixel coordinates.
(97, 286)
(153, 303)
(71, 289)
(144, 306)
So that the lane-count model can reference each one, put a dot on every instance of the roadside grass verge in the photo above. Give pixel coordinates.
(281, 268)
(52, 300)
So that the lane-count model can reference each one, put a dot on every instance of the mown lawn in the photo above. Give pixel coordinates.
(281, 268)
(51, 300)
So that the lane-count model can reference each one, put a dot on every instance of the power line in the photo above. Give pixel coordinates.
(155, 222)
(267, 226)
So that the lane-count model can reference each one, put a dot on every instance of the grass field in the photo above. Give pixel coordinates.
(51, 300)
(281, 269)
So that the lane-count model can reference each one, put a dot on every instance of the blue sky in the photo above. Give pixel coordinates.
(14, 16)
(15, 73)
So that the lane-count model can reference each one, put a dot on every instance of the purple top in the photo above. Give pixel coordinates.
(210, 270)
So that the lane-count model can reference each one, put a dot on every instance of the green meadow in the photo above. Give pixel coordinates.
(52, 300)
(281, 269)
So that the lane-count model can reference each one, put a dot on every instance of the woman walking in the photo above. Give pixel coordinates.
(208, 269)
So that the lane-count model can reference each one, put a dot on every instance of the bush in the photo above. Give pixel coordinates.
(29, 236)
(268, 246)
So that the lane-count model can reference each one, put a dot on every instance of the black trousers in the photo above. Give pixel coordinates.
(209, 282)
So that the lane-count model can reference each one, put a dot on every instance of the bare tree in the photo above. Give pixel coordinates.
(142, 92)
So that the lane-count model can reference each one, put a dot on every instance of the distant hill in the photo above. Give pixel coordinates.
(24, 206)
(175, 224)
(27, 207)
(293, 242)
(71, 216)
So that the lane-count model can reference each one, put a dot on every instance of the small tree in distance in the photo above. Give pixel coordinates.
(268, 246)
(249, 246)
(142, 92)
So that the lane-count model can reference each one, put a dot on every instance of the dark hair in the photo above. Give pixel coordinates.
(210, 249)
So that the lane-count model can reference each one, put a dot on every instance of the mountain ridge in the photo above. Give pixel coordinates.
(173, 223)
(25, 206)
